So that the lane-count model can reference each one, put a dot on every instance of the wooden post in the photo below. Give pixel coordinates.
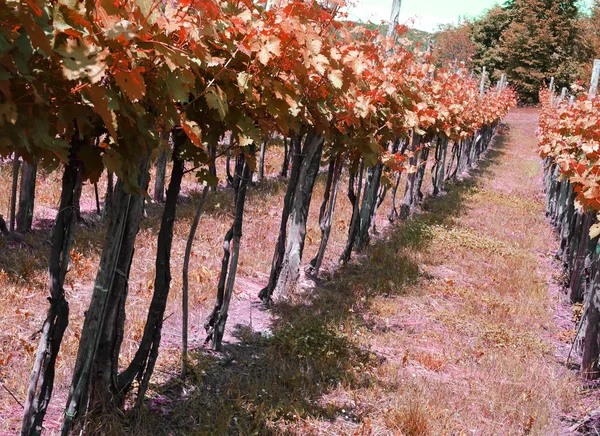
(551, 88)
(572, 100)
(13, 195)
(501, 84)
(563, 94)
(98, 211)
(595, 76)
(394, 17)
(482, 84)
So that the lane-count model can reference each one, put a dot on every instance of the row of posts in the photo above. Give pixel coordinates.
(563, 94)
(500, 85)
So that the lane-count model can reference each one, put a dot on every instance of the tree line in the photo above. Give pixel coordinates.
(530, 41)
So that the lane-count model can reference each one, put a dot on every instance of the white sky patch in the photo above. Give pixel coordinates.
(415, 13)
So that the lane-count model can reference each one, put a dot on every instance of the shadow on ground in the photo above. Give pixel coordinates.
(266, 383)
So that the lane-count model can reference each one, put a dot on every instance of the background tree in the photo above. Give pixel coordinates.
(590, 25)
(454, 46)
(486, 34)
(543, 40)
(531, 41)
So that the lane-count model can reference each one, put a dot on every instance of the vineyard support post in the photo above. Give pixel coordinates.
(594, 82)
(482, 84)
(563, 94)
(13, 195)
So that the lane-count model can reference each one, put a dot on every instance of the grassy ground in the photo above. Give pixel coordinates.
(445, 325)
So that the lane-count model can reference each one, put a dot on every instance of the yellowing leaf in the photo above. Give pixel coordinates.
(148, 9)
(82, 60)
(314, 45)
(271, 47)
(245, 140)
(273, 44)
(320, 62)
(264, 56)
(8, 112)
(336, 78)
(122, 28)
(242, 80)
(192, 130)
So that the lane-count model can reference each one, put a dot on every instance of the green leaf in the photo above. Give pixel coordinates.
(148, 9)
(112, 161)
(217, 100)
(179, 85)
(23, 54)
(204, 175)
(92, 163)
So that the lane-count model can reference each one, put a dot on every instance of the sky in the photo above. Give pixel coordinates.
(422, 14)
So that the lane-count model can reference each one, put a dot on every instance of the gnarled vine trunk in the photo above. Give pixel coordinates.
(354, 195)
(297, 156)
(422, 166)
(185, 282)
(369, 205)
(326, 212)
(159, 179)
(110, 187)
(142, 365)
(13, 192)
(290, 266)
(439, 167)
(409, 200)
(26, 197)
(41, 382)
(590, 366)
(215, 325)
(261, 159)
(96, 367)
(286, 157)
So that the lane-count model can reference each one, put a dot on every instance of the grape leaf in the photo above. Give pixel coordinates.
(131, 83)
(217, 100)
(82, 60)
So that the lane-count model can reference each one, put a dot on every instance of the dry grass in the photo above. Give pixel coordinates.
(442, 327)
(23, 275)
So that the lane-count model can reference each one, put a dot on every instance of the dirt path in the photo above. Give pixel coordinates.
(477, 344)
